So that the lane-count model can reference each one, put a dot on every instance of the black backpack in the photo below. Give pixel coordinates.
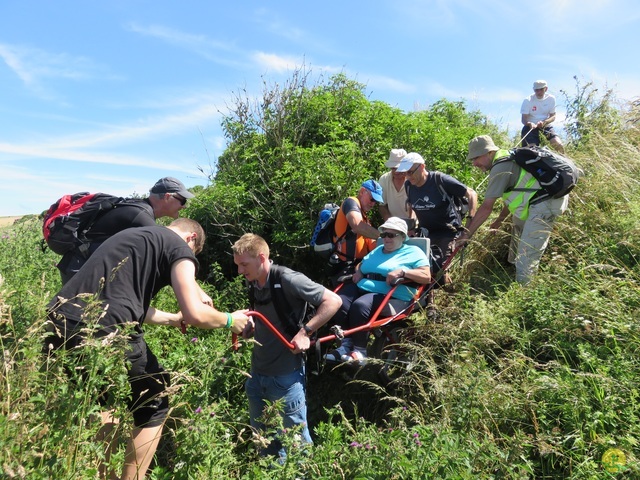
(291, 321)
(556, 174)
(68, 220)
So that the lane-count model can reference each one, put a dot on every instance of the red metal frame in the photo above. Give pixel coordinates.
(373, 323)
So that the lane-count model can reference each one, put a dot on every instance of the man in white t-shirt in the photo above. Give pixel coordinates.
(538, 112)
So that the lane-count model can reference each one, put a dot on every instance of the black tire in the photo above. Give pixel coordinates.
(397, 358)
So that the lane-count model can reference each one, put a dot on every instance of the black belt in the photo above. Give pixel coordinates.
(376, 276)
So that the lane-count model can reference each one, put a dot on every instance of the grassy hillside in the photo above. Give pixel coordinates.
(511, 382)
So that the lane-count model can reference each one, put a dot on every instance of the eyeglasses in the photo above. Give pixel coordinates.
(182, 200)
(389, 235)
(411, 172)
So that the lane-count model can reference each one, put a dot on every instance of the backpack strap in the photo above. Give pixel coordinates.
(438, 176)
(539, 196)
(281, 304)
(107, 204)
(350, 250)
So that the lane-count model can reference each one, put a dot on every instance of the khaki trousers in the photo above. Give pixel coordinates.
(529, 238)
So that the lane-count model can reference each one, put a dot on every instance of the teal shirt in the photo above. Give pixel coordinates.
(407, 256)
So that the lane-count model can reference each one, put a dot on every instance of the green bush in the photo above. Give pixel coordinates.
(305, 145)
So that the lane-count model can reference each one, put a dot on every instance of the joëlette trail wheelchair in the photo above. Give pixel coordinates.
(389, 325)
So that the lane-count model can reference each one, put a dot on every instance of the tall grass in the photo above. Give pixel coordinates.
(512, 382)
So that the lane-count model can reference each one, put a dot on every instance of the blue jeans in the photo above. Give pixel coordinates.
(292, 389)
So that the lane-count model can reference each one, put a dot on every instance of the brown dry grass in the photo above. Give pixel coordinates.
(6, 221)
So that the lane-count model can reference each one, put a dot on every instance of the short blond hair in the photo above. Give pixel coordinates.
(188, 225)
(251, 244)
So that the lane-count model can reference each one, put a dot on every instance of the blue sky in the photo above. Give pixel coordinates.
(110, 96)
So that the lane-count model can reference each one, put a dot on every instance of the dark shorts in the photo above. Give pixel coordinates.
(149, 403)
(533, 137)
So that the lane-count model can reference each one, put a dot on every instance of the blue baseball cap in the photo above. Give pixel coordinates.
(375, 189)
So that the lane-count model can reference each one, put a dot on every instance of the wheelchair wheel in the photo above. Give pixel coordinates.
(397, 357)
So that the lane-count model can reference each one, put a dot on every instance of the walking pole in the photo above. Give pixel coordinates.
(524, 136)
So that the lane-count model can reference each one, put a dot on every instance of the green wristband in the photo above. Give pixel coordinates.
(229, 320)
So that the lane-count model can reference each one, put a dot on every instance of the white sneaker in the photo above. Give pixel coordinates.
(336, 355)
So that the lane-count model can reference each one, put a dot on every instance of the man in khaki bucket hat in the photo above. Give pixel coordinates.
(532, 223)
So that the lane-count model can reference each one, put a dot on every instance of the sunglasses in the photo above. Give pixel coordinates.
(411, 172)
(389, 235)
(182, 200)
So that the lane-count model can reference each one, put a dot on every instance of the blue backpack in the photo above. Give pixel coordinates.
(324, 231)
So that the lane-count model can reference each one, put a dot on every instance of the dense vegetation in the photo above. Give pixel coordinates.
(511, 382)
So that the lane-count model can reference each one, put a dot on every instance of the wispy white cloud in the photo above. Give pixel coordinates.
(388, 84)
(100, 145)
(276, 63)
(85, 156)
(225, 53)
(45, 189)
(273, 23)
(143, 129)
(34, 66)
(191, 41)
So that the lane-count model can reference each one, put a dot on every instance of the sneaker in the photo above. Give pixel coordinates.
(336, 355)
(356, 358)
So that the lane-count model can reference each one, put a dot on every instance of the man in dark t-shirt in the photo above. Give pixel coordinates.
(166, 198)
(115, 288)
(277, 372)
(431, 207)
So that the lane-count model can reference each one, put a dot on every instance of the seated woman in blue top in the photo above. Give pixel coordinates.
(372, 280)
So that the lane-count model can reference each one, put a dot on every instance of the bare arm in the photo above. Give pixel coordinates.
(328, 307)
(159, 317)
(384, 212)
(550, 119)
(478, 219)
(504, 213)
(194, 311)
(360, 227)
(204, 298)
(473, 201)
(526, 122)
(421, 275)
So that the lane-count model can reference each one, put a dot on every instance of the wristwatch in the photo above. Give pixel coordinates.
(307, 330)
(404, 273)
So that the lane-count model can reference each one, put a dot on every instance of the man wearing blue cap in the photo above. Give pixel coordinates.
(354, 235)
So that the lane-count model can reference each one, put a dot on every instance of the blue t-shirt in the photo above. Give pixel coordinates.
(381, 263)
